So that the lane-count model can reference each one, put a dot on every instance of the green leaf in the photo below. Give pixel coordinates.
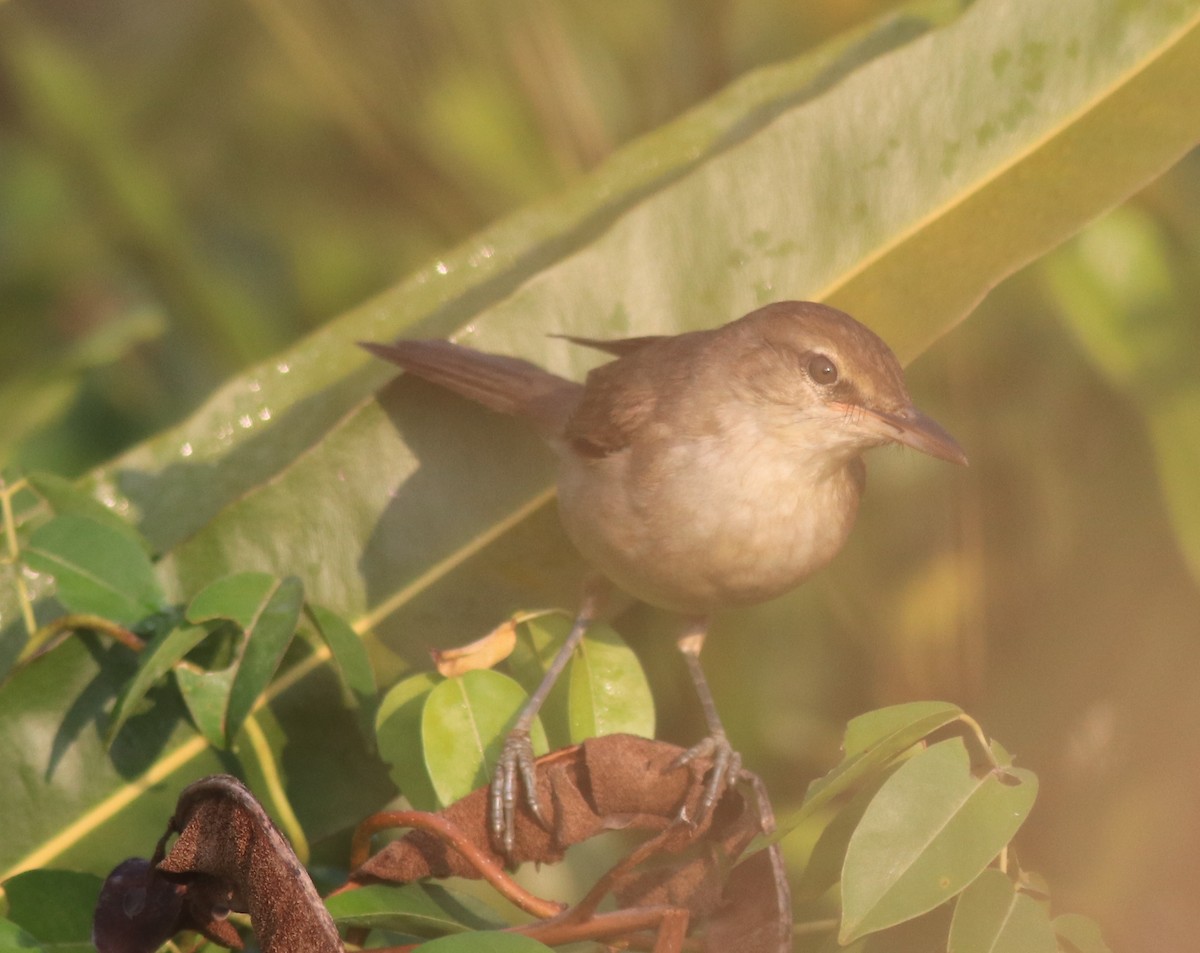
(55, 906)
(206, 695)
(1079, 934)
(463, 726)
(13, 938)
(408, 909)
(155, 661)
(65, 497)
(888, 727)
(353, 665)
(98, 569)
(539, 638)
(931, 829)
(268, 635)
(871, 742)
(609, 693)
(238, 597)
(993, 916)
(398, 736)
(493, 942)
(828, 856)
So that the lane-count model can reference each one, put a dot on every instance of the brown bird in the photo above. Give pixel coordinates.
(698, 471)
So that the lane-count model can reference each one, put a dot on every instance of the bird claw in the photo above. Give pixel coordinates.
(726, 769)
(516, 761)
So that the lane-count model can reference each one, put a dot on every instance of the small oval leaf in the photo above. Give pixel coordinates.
(398, 736)
(463, 726)
(608, 692)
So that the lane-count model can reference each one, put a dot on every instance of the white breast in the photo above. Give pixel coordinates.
(725, 520)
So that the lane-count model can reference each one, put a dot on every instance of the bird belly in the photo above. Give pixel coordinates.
(707, 529)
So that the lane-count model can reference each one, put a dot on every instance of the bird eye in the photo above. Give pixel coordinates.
(822, 370)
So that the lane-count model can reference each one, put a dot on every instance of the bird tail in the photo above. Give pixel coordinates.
(505, 384)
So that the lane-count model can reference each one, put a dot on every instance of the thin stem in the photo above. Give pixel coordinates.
(54, 633)
(14, 552)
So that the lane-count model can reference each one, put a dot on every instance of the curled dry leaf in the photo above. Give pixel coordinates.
(139, 909)
(485, 652)
(228, 857)
(227, 837)
(607, 783)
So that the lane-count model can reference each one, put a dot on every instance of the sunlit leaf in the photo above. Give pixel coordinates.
(463, 727)
(608, 689)
(398, 735)
(992, 916)
(97, 569)
(931, 829)
(872, 740)
(65, 497)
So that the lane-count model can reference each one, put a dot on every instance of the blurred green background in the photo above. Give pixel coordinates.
(187, 187)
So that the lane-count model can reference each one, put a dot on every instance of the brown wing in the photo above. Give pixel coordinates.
(620, 347)
(615, 403)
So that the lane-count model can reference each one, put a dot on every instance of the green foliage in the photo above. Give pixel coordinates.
(900, 172)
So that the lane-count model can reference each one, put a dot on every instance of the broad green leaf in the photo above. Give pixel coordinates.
(900, 173)
(931, 829)
(609, 693)
(155, 661)
(887, 727)
(55, 906)
(98, 569)
(463, 726)
(353, 665)
(871, 741)
(493, 942)
(993, 916)
(65, 497)
(828, 856)
(1079, 934)
(398, 736)
(238, 597)
(268, 635)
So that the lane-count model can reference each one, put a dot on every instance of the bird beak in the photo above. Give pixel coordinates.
(913, 429)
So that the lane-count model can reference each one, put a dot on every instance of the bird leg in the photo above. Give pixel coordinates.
(516, 762)
(726, 763)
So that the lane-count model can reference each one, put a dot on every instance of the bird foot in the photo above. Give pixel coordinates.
(725, 771)
(514, 767)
